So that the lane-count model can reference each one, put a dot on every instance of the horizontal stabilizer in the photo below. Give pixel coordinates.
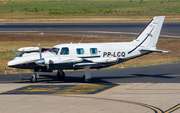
(154, 50)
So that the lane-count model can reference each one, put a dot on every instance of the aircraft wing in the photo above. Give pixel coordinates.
(97, 62)
(32, 49)
(155, 50)
(86, 64)
(27, 49)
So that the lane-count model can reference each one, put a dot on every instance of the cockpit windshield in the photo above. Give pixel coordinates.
(54, 50)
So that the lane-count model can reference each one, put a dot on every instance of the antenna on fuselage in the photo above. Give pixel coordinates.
(81, 40)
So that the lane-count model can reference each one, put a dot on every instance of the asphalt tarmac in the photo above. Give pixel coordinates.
(167, 73)
(131, 29)
(151, 89)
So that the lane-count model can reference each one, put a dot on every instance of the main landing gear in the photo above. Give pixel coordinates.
(60, 74)
(87, 76)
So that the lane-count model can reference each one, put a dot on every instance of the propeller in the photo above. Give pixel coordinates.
(15, 52)
(40, 53)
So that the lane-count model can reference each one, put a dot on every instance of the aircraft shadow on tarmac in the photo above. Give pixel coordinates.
(67, 79)
(156, 75)
(131, 78)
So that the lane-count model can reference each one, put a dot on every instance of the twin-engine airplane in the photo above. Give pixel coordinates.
(90, 55)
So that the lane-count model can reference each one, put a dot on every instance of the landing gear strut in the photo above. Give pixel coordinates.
(87, 76)
(60, 74)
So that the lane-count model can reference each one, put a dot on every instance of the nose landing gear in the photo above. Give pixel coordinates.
(34, 77)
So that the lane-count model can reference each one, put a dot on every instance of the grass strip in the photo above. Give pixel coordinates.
(50, 10)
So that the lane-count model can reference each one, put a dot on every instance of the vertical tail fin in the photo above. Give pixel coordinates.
(149, 36)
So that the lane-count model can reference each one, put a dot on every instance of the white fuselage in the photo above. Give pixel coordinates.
(92, 55)
(95, 52)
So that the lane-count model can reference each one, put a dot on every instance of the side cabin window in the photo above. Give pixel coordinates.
(80, 51)
(64, 51)
(93, 50)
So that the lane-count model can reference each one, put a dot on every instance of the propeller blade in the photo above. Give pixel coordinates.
(15, 52)
(22, 52)
(40, 53)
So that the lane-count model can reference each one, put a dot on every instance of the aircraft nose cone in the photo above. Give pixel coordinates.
(40, 62)
(11, 63)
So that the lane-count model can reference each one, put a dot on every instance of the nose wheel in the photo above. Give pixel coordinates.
(33, 78)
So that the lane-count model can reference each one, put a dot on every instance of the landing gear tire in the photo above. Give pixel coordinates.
(33, 78)
(60, 75)
(86, 80)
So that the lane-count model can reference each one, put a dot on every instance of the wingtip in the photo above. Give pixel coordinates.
(170, 52)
